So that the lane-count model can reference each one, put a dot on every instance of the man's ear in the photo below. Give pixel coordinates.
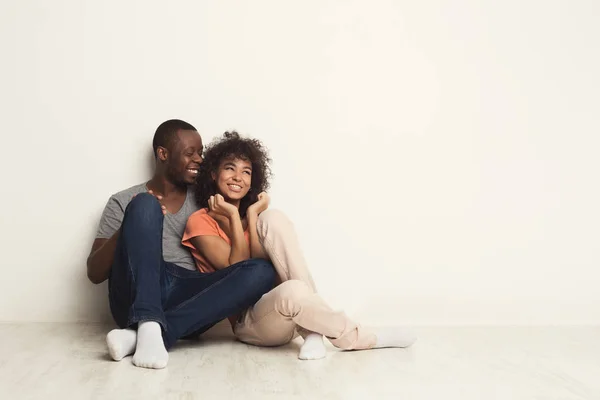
(162, 153)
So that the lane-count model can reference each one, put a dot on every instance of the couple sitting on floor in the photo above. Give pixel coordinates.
(197, 244)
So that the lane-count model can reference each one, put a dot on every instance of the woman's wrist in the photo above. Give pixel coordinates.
(234, 216)
(251, 215)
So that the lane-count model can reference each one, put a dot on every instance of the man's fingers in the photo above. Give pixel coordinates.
(158, 196)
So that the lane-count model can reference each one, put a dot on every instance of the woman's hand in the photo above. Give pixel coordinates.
(261, 205)
(218, 206)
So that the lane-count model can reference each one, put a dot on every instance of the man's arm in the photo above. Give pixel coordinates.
(102, 254)
(101, 258)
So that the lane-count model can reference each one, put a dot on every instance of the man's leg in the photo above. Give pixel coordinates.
(199, 300)
(196, 301)
(135, 288)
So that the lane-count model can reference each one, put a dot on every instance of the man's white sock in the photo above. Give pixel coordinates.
(150, 350)
(121, 343)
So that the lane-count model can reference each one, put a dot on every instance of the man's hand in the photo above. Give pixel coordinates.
(217, 205)
(261, 205)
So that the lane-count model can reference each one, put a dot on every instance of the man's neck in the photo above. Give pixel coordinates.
(161, 185)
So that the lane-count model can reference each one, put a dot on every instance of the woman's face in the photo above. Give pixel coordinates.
(234, 178)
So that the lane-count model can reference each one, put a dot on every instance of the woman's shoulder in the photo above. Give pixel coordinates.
(201, 215)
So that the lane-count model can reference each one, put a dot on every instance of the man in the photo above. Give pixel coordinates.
(154, 286)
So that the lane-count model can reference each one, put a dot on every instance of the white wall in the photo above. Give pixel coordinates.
(439, 158)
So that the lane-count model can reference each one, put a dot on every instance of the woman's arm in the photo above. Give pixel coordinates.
(216, 250)
(239, 248)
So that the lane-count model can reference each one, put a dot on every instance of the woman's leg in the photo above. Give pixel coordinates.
(272, 320)
(279, 239)
(262, 325)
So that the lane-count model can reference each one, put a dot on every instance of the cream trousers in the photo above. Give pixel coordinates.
(294, 305)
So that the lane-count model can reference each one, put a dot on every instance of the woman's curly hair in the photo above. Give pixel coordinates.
(231, 146)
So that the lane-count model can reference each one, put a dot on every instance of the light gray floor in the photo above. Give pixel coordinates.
(57, 361)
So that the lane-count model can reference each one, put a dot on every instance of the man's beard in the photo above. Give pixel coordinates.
(175, 178)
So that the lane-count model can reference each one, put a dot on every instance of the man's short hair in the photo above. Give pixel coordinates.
(166, 133)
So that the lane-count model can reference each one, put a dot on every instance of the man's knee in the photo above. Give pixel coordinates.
(260, 275)
(144, 204)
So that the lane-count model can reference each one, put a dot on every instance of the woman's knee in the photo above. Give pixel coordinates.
(274, 219)
(293, 291)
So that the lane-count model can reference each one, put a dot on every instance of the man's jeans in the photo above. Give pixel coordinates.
(143, 287)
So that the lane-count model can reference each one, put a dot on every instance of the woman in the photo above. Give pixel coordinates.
(231, 187)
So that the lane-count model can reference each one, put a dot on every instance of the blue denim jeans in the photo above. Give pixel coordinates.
(143, 287)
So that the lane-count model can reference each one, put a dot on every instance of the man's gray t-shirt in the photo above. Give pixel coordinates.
(173, 225)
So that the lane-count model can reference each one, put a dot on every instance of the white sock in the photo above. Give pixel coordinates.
(121, 343)
(394, 336)
(313, 347)
(150, 350)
